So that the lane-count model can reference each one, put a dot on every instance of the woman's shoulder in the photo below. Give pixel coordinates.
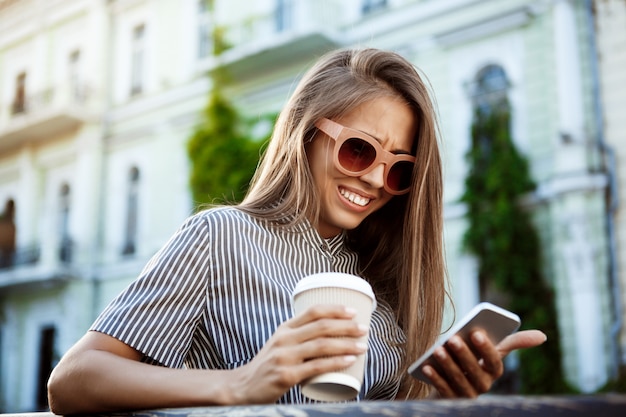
(225, 216)
(220, 213)
(236, 218)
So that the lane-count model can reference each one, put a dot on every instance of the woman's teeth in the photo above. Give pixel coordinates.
(355, 198)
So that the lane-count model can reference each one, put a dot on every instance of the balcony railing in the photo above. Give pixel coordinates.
(28, 255)
(293, 32)
(72, 95)
(292, 16)
(40, 115)
(31, 255)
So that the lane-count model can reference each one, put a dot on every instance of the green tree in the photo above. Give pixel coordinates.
(502, 236)
(222, 150)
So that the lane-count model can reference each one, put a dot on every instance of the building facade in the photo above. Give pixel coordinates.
(610, 105)
(98, 99)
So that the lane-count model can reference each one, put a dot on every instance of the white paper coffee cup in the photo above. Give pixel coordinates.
(344, 289)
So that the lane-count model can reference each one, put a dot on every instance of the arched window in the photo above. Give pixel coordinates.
(19, 100)
(74, 77)
(489, 90)
(132, 204)
(489, 95)
(7, 234)
(65, 245)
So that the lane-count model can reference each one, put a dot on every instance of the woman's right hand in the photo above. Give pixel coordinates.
(322, 339)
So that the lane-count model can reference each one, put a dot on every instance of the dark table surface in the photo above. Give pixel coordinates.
(609, 405)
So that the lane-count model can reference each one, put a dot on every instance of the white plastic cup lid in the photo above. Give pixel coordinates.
(336, 280)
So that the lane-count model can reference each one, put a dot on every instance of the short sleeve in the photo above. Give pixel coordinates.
(158, 313)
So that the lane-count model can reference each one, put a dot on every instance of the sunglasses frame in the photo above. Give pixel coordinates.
(341, 134)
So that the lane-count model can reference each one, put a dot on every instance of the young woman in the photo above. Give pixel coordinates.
(351, 182)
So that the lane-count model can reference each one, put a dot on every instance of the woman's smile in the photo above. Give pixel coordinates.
(354, 197)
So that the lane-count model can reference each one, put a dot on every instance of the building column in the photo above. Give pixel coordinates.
(578, 237)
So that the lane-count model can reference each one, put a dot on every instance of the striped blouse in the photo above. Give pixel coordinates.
(219, 288)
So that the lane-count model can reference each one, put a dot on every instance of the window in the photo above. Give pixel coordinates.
(19, 100)
(65, 244)
(7, 235)
(489, 90)
(131, 212)
(284, 15)
(369, 6)
(204, 29)
(47, 360)
(137, 60)
(76, 92)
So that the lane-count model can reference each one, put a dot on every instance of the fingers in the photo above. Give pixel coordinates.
(327, 347)
(322, 321)
(469, 369)
(521, 340)
(466, 371)
(320, 332)
(317, 364)
(322, 311)
(490, 358)
(451, 378)
(321, 339)
(323, 331)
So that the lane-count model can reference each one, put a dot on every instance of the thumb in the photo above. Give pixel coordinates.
(521, 340)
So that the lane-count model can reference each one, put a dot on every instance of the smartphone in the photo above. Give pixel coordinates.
(495, 321)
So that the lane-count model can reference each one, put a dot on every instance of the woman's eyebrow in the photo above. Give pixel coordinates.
(393, 151)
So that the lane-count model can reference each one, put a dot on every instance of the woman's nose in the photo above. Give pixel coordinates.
(376, 177)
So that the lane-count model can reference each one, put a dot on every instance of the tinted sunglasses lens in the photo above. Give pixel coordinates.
(399, 177)
(355, 155)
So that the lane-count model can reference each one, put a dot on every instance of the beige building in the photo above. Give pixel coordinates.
(98, 99)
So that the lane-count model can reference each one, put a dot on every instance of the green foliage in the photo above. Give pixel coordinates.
(223, 155)
(502, 236)
(222, 151)
(219, 33)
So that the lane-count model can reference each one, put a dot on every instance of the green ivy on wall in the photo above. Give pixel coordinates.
(503, 238)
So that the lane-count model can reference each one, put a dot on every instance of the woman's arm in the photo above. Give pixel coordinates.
(101, 373)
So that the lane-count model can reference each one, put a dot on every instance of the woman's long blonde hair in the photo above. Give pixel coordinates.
(400, 245)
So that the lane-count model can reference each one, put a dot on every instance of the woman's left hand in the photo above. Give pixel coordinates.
(463, 374)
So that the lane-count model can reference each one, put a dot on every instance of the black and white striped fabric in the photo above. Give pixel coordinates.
(219, 288)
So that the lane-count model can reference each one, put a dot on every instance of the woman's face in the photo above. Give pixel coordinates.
(346, 201)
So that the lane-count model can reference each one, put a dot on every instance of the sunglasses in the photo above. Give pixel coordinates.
(356, 153)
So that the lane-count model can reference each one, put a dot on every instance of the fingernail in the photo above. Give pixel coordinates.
(351, 311)
(440, 353)
(427, 371)
(349, 358)
(363, 328)
(361, 346)
(455, 343)
(478, 337)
